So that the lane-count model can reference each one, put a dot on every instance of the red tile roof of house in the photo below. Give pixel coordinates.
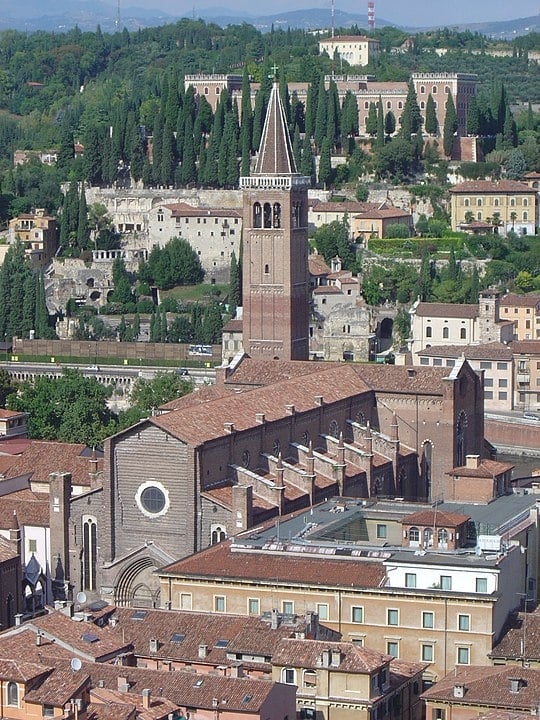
(486, 469)
(57, 688)
(520, 637)
(353, 659)
(513, 300)
(21, 642)
(444, 310)
(29, 507)
(318, 266)
(435, 518)
(231, 564)
(8, 550)
(42, 458)
(484, 351)
(6, 414)
(526, 347)
(488, 186)
(488, 686)
(21, 670)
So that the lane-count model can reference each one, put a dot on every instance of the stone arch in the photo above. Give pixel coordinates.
(137, 582)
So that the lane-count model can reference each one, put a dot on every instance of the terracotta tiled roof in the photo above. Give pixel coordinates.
(444, 310)
(486, 469)
(317, 265)
(484, 351)
(327, 290)
(243, 634)
(57, 688)
(275, 152)
(221, 561)
(489, 686)
(197, 424)
(233, 326)
(200, 394)
(488, 186)
(353, 659)
(184, 210)
(6, 414)
(21, 643)
(513, 300)
(41, 458)
(14, 446)
(31, 509)
(7, 550)
(159, 707)
(265, 372)
(515, 643)
(398, 378)
(109, 710)
(526, 347)
(346, 206)
(383, 213)
(435, 518)
(85, 638)
(21, 671)
(350, 38)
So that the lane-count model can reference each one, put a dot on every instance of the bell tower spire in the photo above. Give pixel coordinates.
(275, 246)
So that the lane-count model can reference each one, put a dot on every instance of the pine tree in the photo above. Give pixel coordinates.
(450, 125)
(473, 117)
(432, 124)
(390, 123)
(411, 118)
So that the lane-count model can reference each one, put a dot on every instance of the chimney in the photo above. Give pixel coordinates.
(325, 657)
(146, 698)
(259, 418)
(274, 619)
(459, 691)
(122, 684)
(319, 400)
(203, 651)
(515, 684)
(237, 670)
(38, 640)
(336, 658)
(290, 409)
(228, 427)
(18, 619)
(154, 645)
(472, 462)
(411, 372)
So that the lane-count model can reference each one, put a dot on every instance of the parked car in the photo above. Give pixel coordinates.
(531, 416)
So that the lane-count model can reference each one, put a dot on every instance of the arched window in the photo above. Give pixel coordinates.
(89, 555)
(257, 215)
(463, 333)
(466, 202)
(277, 215)
(428, 537)
(496, 202)
(13, 694)
(479, 215)
(428, 331)
(442, 538)
(479, 202)
(422, 89)
(267, 212)
(434, 90)
(422, 105)
(334, 429)
(445, 333)
(206, 91)
(525, 202)
(460, 440)
(525, 215)
(218, 535)
(414, 537)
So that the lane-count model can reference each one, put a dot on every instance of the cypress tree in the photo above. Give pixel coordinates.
(82, 223)
(246, 126)
(29, 304)
(157, 143)
(41, 322)
(411, 118)
(234, 284)
(322, 114)
(450, 125)
(311, 110)
(189, 168)
(306, 165)
(389, 123)
(168, 155)
(333, 121)
(473, 117)
(297, 147)
(432, 124)
(325, 166)
(380, 124)
(371, 120)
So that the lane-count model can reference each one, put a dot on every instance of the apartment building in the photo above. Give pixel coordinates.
(524, 312)
(357, 50)
(39, 234)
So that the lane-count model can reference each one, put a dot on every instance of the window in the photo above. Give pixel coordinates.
(322, 611)
(219, 603)
(32, 546)
(445, 333)
(464, 622)
(424, 361)
(392, 617)
(288, 607)
(310, 678)
(427, 653)
(428, 331)
(503, 383)
(253, 606)
(410, 580)
(48, 711)
(463, 333)
(357, 614)
(381, 531)
(89, 553)
(414, 536)
(437, 362)
(427, 619)
(485, 365)
(185, 601)
(463, 656)
(392, 648)
(289, 676)
(12, 694)
(488, 382)
(481, 585)
(446, 582)
(152, 499)
(503, 396)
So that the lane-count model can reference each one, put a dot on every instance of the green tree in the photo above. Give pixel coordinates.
(122, 286)
(148, 395)
(450, 125)
(389, 123)
(71, 408)
(235, 282)
(371, 120)
(175, 264)
(411, 117)
(325, 166)
(432, 124)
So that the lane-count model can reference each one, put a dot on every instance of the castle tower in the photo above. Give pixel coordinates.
(275, 247)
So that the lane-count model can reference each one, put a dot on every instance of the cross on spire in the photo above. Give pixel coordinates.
(274, 70)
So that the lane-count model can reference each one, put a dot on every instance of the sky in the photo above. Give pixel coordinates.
(411, 13)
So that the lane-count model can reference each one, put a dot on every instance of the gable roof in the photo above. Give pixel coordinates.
(488, 186)
(41, 458)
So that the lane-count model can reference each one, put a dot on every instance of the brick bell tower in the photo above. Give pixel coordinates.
(275, 247)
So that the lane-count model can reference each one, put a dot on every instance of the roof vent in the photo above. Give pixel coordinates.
(459, 691)
(228, 427)
(411, 372)
(203, 651)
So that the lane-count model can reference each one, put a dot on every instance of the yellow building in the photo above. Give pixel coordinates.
(357, 50)
(524, 312)
(506, 205)
(38, 233)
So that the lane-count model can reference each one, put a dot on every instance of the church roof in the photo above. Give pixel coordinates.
(275, 152)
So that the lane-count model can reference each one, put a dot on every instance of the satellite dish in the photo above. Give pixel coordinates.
(81, 598)
(75, 663)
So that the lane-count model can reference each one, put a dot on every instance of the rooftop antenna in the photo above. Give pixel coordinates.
(371, 15)
(117, 20)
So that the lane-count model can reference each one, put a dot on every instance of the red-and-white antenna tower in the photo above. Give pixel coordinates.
(371, 15)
